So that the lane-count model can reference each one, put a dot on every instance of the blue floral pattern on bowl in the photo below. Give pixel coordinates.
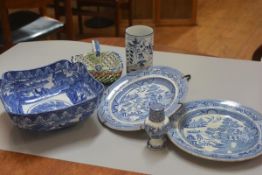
(51, 97)
(125, 104)
(217, 130)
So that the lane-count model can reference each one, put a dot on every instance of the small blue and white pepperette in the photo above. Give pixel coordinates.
(156, 126)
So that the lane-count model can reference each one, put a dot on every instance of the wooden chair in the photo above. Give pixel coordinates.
(89, 8)
(257, 55)
(24, 25)
(116, 5)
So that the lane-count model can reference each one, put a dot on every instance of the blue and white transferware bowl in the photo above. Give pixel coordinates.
(218, 130)
(125, 104)
(51, 97)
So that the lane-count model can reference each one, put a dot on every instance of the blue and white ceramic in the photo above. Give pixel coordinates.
(139, 47)
(125, 104)
(156, 126)
(217, 130)
(50, 97)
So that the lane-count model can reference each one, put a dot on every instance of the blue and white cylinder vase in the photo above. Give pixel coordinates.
(139, 47)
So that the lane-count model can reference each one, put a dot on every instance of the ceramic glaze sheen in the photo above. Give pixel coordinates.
(218, 130)
(50, 97)
(139, 42)
(125, 104)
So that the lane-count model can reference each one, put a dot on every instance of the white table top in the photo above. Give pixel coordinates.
(90, 142)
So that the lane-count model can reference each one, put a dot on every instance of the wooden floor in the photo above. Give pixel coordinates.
(225, 28)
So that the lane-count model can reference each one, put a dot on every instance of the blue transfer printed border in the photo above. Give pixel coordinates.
(252, 117)
(170, 74)
(64, 116)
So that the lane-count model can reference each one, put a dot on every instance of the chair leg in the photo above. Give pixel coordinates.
(42, 11)
(130, 13)
(57, 15)
(117, 19)
(80, 24)
(5, 24)
(257, 55)
(80, 18)
(57, 9)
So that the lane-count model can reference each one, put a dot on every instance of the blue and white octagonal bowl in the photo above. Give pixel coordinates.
(51, 97)
(218, 130)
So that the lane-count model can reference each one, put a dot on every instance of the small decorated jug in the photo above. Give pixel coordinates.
(156, 126)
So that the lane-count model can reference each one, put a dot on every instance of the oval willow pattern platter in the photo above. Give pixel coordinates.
(217, 130)
(125, 104)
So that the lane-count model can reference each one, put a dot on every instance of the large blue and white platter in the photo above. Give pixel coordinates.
(50, 97)
(217, 130)
(125, 104)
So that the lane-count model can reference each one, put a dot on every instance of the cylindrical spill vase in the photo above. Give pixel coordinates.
(139, 47)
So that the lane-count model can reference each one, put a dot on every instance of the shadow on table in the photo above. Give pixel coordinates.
(134, 135)
(152, 156)
(38, 142)
(215, 165)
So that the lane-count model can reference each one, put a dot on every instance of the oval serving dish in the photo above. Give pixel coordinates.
(125, 104)
(106, 68)
(51, 97)
(217, 130)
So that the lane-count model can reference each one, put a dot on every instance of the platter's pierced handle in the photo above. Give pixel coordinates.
(187, 77)
(96, 47)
